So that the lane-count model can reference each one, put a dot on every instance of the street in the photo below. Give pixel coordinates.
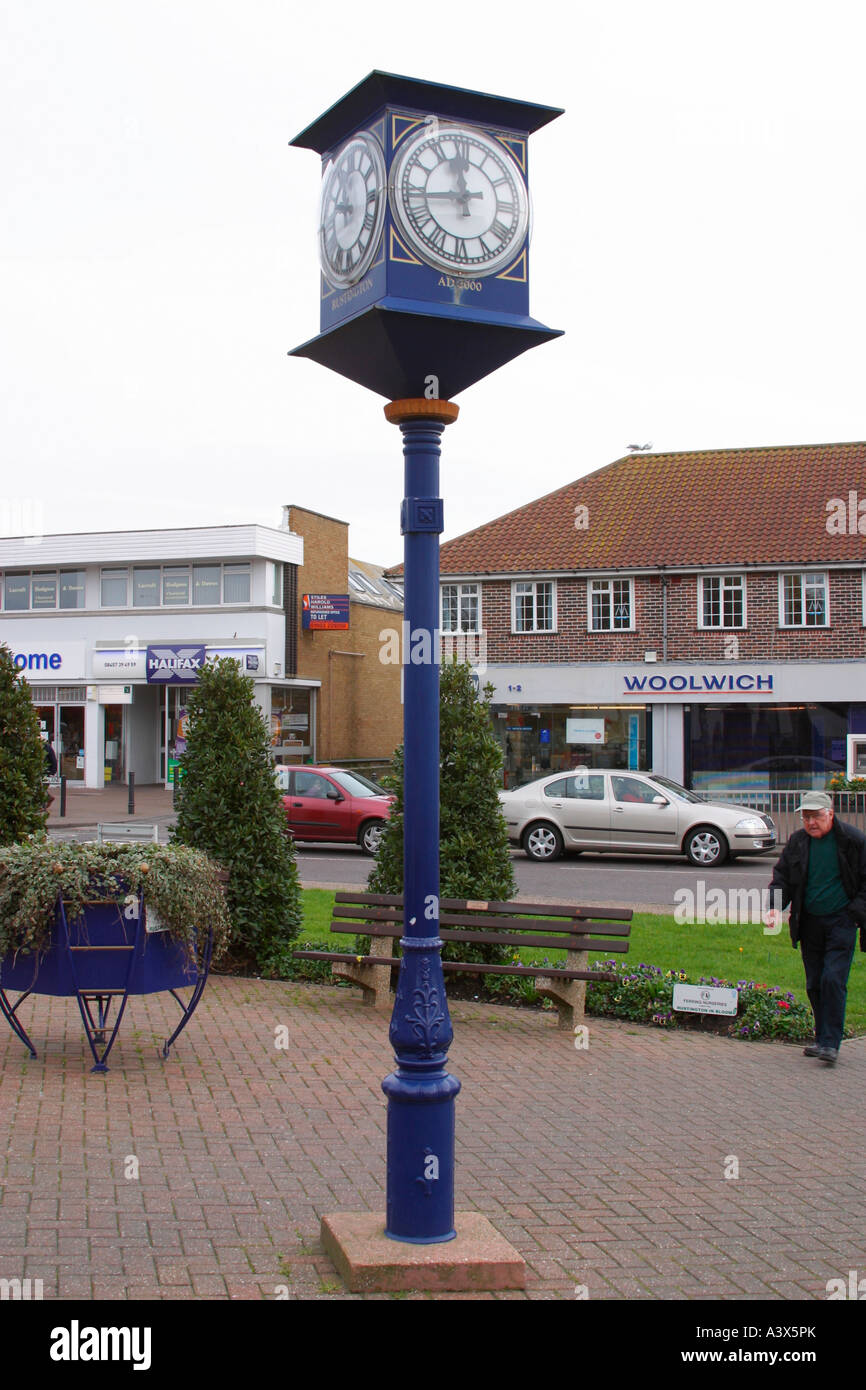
(643, 882)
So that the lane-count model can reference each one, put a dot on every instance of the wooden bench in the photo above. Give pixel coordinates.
(543, 926)
(123, 833)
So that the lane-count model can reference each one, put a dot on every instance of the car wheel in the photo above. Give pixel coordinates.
(706, 847)
(542, 841)
(370, 836)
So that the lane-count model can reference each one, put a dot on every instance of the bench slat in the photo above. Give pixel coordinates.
(509, 909)
(470, 968)
(491, 938)
(453, 919)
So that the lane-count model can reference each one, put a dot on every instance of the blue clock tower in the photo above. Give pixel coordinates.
(424, 282)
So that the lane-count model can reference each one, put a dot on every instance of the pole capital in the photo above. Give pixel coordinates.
(419, 408)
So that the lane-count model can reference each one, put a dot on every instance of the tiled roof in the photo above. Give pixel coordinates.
(711, 507)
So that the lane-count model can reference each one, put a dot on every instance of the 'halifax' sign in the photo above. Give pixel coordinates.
(167, 665)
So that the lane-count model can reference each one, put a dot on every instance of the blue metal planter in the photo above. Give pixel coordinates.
(101, 959)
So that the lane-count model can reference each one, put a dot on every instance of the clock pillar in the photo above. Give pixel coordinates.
(421, 1092)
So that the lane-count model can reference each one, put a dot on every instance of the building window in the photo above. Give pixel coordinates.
(206, 584)
(610, 605)
(721, 600)
(17, 592)
(236, 584)
(533, 606)
(275, 584)
(461, 608)
(114, 588)
(803, 600)
(175, 585)
(72, 590)
(145, 588)
(42, 591)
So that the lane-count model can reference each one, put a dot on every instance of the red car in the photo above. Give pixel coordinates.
(332, 803)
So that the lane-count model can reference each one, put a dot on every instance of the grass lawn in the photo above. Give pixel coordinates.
(727, 952)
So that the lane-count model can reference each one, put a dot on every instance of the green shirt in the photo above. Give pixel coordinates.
(824, 891)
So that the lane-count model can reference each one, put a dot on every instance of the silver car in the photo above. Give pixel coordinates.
(623, 812)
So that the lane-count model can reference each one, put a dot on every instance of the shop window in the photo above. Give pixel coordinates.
(803, 600)
(610, 605)
(72, 589)
(533, 606)
(461, 608)
(722, 601)
(17, 594)
(43, 591)
(206, 584)
(175, 585)
(114, 588)
(145, 588)
(236, 584)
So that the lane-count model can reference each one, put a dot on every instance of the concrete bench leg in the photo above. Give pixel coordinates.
(569, 996)
(373, 980)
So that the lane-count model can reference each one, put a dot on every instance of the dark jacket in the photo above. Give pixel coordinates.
(50, 761)
(792, 869)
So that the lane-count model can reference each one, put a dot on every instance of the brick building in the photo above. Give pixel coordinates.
(360, 717)
(700, 613)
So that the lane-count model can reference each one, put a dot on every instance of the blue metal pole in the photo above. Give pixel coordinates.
(421, 1092)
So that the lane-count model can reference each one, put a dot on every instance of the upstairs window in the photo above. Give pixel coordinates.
(610, 605)
(461, 608)
(722, 601)
(533, 606)
(803, 600)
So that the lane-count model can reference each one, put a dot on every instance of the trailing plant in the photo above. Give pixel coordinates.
(22, 757)
(179, 884)
(474, 855)
(230, 808)
(840, 783)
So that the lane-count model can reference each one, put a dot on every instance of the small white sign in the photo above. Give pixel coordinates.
(705, 999)
(584, 731)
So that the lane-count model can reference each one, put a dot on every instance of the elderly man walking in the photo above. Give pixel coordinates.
(822, 874)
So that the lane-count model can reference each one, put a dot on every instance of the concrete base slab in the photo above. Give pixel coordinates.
(368, 1262)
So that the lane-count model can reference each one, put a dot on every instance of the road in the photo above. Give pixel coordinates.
(643, 882)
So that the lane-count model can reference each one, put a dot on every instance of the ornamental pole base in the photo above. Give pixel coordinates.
(368, 1262)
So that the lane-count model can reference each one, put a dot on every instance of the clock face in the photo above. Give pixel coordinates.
(459, 199)
(352, 210)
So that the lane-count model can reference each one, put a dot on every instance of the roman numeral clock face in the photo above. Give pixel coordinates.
(352, 210)
(459, 200)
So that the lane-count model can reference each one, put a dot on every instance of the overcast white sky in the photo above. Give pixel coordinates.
(700, 221)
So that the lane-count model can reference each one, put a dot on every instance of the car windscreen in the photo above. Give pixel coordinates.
(357, 785)
(675, 789)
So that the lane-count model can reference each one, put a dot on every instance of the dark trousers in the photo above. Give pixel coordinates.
(827, 944)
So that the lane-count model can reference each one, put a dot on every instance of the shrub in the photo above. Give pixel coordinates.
(475, 860)
(22, 757)
(229, 807)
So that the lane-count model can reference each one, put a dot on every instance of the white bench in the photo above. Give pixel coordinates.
(121, 833)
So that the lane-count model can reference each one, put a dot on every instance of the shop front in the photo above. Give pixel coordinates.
(542, 738)
(717, 729)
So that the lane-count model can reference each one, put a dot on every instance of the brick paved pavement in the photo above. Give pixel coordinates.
(604, 1167)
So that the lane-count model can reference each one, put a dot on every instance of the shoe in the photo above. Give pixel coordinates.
(828, 1055)
(813, 1050)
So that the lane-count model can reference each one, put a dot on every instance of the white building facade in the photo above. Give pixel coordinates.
(110, 628)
